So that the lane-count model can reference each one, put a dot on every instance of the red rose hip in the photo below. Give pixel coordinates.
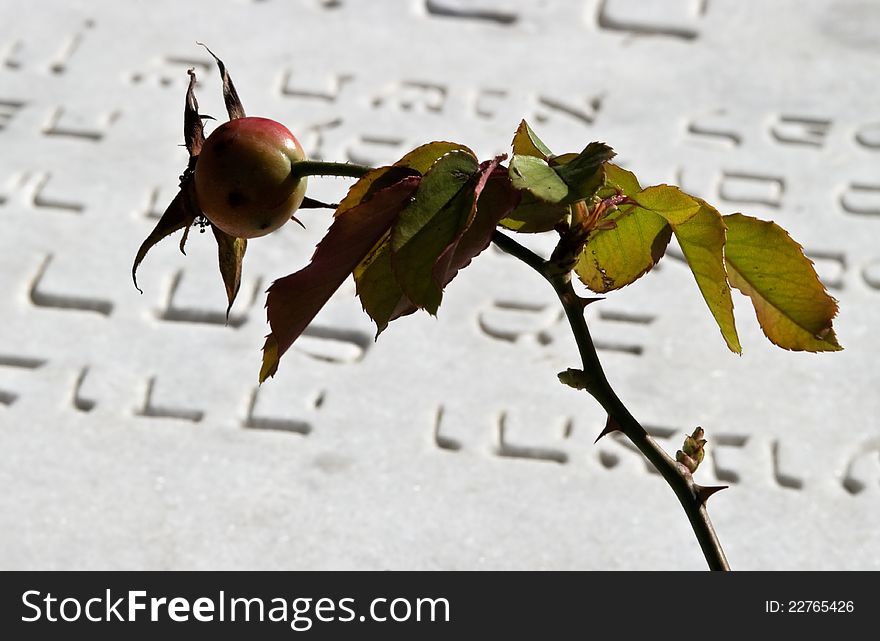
(242, 178)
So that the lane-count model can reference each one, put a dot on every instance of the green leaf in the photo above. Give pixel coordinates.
(527, 143)
(619, 179)
(538, 178)
(700, 233)
(377, 286)
(370, 183)
(584, 174)
(668, 201)
(230, 251)
(293, 301)
(702, 239)
(382, 296)
(793, 308)
(421, 159)
(180, 214)
(533, 215)
(441, 210)
(496, 198)
(614, 258)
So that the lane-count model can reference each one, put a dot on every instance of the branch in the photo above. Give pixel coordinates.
(691, 496)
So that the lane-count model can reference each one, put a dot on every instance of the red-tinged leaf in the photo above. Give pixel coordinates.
(230, 96)
(375, 283)
(377, 287)
(495, 199)
(370, 183)
(441, 210)
(180, 214)
(293, 301)
(793, 308)
(230, 251)
(381, 295)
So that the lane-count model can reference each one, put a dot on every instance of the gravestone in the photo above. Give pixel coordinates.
(133, 433)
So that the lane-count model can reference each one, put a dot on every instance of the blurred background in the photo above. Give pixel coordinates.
(133, 434)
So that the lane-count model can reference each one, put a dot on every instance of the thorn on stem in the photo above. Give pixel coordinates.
(583, 301)
(610, 426)
(703, 492)
(311, 203)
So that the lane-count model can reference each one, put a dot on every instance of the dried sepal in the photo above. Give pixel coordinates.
(180, 214)
(193, 128)
(230, 96)
(230, 251)
(184, 210)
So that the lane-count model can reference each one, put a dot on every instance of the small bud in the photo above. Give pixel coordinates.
(687, 461)
(693, 450)
(575, 378)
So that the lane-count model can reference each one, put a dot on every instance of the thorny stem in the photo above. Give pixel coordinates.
(675, 475)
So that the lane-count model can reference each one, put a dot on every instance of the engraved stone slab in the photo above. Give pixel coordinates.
(133, 433)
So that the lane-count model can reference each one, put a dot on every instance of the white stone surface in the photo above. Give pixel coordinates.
(132, 432)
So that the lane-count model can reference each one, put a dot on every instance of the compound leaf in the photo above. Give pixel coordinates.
(378, 288)
(495, 199)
